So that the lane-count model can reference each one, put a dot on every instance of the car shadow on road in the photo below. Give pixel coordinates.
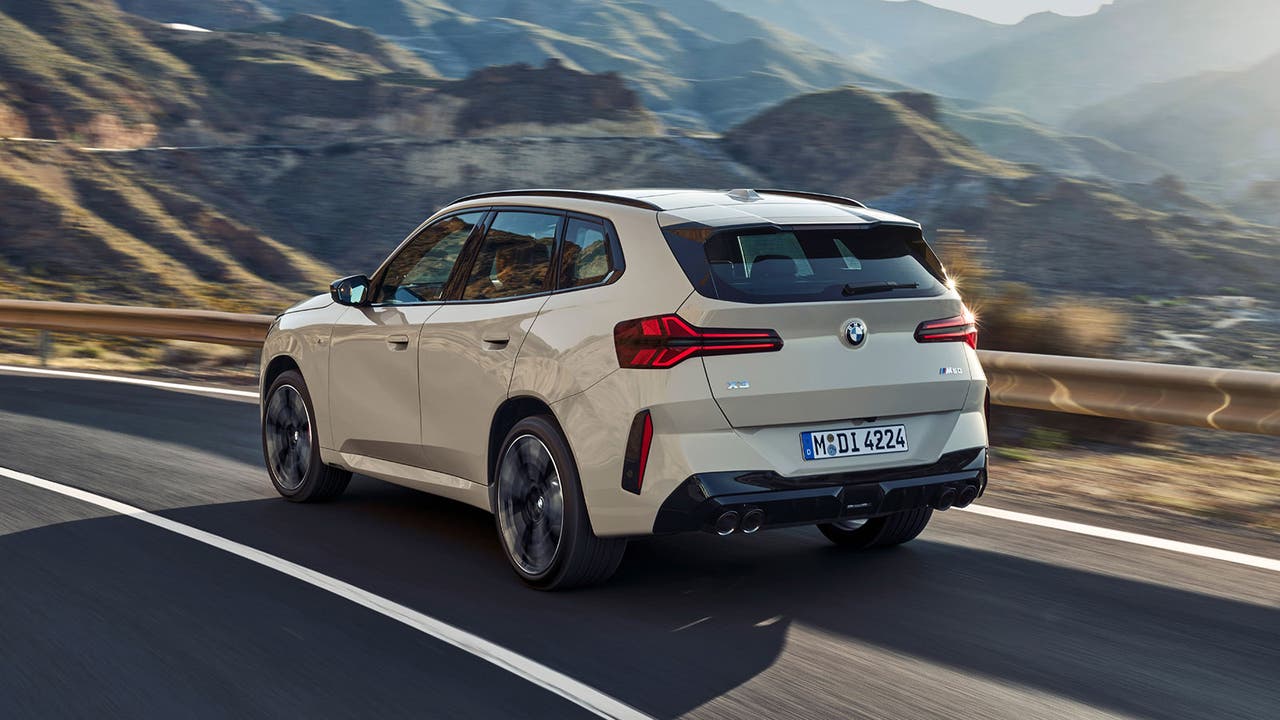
(691, 617)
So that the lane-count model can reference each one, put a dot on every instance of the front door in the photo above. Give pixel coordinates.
(373, 360)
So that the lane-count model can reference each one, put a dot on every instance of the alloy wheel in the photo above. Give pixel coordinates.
(287, 425)
(530, 504)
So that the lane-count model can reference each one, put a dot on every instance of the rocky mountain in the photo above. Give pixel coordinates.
(693, 62)
(1054, 233)
(71, 68)
(892, 39)
(1052, 67)
(1011, 135)
(1218, 127)
(75, 226)
(856, 142)
(209, 14)
(311, 144)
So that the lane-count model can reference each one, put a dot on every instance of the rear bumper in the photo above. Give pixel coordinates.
(702, 498)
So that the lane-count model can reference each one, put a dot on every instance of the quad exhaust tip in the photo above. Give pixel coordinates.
(967, 496)
(752, 521)
(727, 523)
(946, 499)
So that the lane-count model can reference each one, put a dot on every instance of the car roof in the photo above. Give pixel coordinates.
(719, 208)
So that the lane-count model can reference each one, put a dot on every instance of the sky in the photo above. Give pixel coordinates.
(1011, 11)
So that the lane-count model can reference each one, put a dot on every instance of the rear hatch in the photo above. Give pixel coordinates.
(810, 284)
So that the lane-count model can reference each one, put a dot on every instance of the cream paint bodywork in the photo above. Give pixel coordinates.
(561, 351)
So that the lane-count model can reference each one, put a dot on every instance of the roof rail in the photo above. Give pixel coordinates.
(813, 196)
(575, 194)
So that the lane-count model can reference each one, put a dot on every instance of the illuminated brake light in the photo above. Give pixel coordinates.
(664, 341)
(961, 328)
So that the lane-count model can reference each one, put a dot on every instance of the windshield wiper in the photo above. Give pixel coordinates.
(875, 287)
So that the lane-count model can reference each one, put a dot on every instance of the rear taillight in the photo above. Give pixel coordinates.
(961, 328)
(665, 340)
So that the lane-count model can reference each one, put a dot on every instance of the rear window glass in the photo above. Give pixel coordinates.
(770, 265)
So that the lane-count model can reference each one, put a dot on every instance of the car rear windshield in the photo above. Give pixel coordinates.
(807, 264)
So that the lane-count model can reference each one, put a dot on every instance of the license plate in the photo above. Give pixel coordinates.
(846, 442)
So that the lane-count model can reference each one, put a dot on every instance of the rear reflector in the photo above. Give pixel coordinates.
(665, 340)
(637, 457)
(961, 328)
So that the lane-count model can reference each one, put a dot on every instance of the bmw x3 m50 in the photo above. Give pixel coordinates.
(596, 366)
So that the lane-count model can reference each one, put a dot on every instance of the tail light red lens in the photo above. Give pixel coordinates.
(664, 341)
(961, 328)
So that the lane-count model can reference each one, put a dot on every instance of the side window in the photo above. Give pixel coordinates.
(421, 270)
(515, 256)
(584, 258)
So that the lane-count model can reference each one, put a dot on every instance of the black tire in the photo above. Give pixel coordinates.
(296, 470)
(883, 531)
(523, 507)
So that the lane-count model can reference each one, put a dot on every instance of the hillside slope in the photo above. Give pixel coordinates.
(74, 226)
(1057, 234)
(880, 143)
(1050, 70)
(694, 62)
(892, 39)
(1221, 127)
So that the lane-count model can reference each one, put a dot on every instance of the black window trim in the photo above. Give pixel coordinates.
(375, 282)
(454, 285)
(617, 265)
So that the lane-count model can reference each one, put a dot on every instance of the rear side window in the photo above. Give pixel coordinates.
(584, 258)
(515, 256)
(776, 265)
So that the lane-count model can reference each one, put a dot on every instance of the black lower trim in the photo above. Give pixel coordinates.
(811, 499)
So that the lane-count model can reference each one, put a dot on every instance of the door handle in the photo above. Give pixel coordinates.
(398, 342)
(497, 341)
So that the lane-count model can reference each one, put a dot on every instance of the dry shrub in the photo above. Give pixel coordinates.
(1013, 317)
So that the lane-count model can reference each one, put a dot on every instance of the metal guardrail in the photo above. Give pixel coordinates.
(1235, 400)
(222, 328)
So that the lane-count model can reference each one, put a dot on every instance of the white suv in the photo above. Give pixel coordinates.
(596, 366)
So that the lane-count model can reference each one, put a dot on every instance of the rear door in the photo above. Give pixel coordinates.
(811, 285)
(469, 347)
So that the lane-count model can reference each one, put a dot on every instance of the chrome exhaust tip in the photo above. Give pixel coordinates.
(752, 521)
(727, 523)
(967, 496)
(946, 499)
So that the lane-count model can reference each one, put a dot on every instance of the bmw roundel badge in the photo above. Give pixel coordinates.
(855, 331)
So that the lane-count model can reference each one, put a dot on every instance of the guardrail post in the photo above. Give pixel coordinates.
(46, 347)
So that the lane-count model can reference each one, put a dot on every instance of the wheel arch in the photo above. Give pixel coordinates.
(511, 411)
(279, 365)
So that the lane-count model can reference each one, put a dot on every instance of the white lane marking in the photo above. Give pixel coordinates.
(130, 381)
(689, 625)
(514, 663)
(1254, 561)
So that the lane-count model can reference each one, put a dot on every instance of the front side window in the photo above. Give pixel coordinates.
(584, 258)
(515, 256)
(421, 270)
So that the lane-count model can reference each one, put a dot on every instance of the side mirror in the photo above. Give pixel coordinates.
(353, 290)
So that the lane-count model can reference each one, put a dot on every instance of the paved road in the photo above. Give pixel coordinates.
(102, 615)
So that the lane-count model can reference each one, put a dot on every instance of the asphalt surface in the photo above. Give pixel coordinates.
(104, 616)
